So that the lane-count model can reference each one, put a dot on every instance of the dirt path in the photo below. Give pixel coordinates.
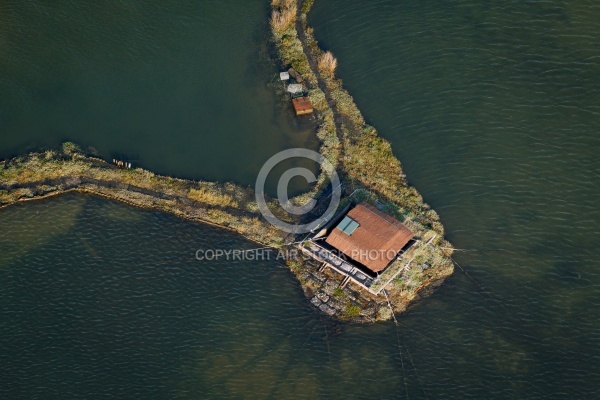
(85, 184)
(313, 63)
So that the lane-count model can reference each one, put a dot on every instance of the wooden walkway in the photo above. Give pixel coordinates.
(339, 265)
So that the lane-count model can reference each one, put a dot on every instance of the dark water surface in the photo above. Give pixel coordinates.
(175, 84)
(101, 300)
(493, 110)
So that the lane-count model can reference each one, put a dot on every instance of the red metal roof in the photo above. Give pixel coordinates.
(375, 242)
(302, 105)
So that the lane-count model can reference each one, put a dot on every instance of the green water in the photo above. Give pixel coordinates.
(110, 302)
(175, 85)
(492, 108)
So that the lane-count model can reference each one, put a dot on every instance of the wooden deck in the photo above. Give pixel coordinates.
(337, 264)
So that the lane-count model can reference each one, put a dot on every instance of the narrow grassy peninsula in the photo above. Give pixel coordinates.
(369, 173)
(367, 166)
(53, 172)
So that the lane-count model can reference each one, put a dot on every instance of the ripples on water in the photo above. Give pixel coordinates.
(112, 303)
(493, 109)
(175, 85)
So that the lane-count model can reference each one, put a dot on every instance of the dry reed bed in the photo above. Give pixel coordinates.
(39, 175)
(367, 161)
(363, 159)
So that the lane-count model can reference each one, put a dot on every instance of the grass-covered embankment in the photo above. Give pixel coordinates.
(53, 172)
(362, 158)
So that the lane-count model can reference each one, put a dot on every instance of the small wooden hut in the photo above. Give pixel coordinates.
(302, 105)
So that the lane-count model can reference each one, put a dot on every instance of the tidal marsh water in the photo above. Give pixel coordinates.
(180, 87)
(493, 111)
